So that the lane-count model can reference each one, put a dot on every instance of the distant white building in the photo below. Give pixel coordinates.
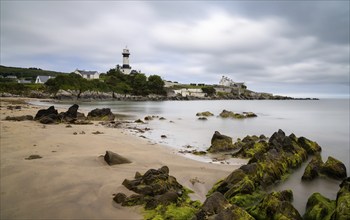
(225, 81)
(42, 79)
(88, 74)
(190, 92)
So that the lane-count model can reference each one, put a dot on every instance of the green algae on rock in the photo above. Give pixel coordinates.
(230, 114)
(311, 147)
(162, 196)
(220, 143)
(342, 209)
(276, 205)
(319, 207)
(312, 170)
(334, 168)
(206, 114)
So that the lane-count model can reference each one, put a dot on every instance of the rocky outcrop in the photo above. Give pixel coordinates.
(334, 168)
(251, 145)
(218, 208)
(47, 116)
(220, 143)
(342, 209)
(103, 114)
(276, 205)
(313, 169)
(311, 147)
(160, 194)
(205, 114)
(20, 118)
(112, 158)
(319, 207)
(230, 114)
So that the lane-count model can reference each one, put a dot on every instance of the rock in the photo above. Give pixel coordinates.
(33, 157)
(233, 212)
(47, 116)
(220, 143)
(164, 170)
(334, 168)
(202, 118)
(133, 200)
(313, 169)
(46, 112)
(162, 118)
(274, 206)
(103, 114)
(214, 204)
(164, 199)
(50, 119)
(20, 118)
(319, 207)
(342, 209)
(97, 132)
(119, 198)
(206, 114)
(311, 147)
(163, 136)
(113, 158)
(71, 115)
(139, 121)
(230, 114)
(148, 118)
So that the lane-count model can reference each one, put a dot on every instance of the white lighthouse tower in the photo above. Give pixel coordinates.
(126, 68)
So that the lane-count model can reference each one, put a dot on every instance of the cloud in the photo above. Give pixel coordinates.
(260, 43)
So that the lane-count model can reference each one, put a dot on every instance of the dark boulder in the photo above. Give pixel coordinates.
(113, 158)
(49, 119)
(46, 112)
(319, 207)
(334, 168)
(103, 114)
(313, 169)
(214, 204)
(119, 198)
(20, 118)
(220, 143)
(206, 114)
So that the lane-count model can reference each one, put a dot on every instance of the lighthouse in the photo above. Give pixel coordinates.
(126, 68)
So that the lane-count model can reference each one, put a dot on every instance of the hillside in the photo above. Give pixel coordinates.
(27, 73)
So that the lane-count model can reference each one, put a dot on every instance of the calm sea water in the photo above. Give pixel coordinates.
(323, 121)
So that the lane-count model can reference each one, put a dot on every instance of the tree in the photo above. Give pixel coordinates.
(209, 90)
(139, 84)
(155, 85)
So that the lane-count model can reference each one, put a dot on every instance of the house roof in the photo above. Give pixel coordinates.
(43, 79)
(83, 72)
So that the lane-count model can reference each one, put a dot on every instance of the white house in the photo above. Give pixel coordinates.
(225, 81)
(190, 92)
(88, 74)
(42, 79)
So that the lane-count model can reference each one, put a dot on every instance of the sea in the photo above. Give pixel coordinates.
(325, 121)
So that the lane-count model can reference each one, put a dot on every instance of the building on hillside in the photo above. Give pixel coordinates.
(225, 81)
(42, 79)
(11, 77)
(88, 74)
(168, 84)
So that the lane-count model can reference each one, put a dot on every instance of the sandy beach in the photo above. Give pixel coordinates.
(71, 180)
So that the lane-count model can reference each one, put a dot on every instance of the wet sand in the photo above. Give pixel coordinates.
(71, 180)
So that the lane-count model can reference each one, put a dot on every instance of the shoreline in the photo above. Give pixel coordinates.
(71, 176)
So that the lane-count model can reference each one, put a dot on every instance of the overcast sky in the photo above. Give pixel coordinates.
(298, 48)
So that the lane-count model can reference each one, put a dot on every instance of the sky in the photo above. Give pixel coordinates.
(295, 48)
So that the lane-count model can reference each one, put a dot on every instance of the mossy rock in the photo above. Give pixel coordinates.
(248, 200)
(274, 206)
(334, 168)
(319, 207)
(205, 114)
(342, 210)
(230, 114)
(220, 143)
(245, 186)
(311, 147)
(312, 170)
(234, 212)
